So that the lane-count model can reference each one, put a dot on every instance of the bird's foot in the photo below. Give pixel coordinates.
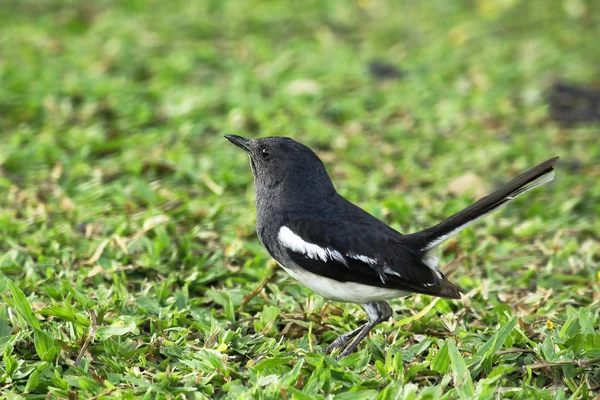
(377, 311)
(342, 340)
(347, 351)
(353, 345)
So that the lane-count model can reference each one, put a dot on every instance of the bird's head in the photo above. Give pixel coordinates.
(284, 167)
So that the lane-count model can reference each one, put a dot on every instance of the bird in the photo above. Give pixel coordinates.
(342, 252)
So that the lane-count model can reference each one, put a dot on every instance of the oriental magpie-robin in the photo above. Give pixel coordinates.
(339, 250)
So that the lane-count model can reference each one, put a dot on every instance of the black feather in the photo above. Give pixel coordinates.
(431, 237)
(385, 247)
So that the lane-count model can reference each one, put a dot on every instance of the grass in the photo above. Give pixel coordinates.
(127, 222)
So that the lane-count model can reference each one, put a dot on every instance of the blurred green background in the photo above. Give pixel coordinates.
(127, 221)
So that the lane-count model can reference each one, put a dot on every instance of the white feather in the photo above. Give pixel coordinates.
(388, 270)
(348, 292)
(365, 259)
(431, 260)
(295, 243)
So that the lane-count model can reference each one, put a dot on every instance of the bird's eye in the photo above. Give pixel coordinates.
(264, 152)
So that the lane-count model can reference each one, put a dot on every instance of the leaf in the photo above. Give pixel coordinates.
(441, 361)
(10, 365)
(571, 327)
(462, 378)
(208, 361)
(3, 282)
(83, 382)
(292, 376)
(485, 354)
(149, 304)
(349, 360)
(224, 299)
(269, 314)
(5, 328)
(10, 395)
(592, 345)
(413, 370)
(67, 314)
(229, 309)
(22, 306)
(382, 370)
(82, 299)
(45, 347)
(33, 381)
(363, 360)
(548, 349)
(182, 300)
(118, 328)
(496, 342)
(271, 362)
(586, 321)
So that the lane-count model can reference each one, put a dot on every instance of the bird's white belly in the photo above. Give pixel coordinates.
(348, 292)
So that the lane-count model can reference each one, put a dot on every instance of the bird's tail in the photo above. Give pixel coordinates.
(432, 237)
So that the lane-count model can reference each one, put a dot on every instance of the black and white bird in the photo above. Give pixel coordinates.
(339, 250)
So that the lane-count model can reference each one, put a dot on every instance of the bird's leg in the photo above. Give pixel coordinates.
(343, 340)
(378, 311)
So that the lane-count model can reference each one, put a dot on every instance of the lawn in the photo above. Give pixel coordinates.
(128, 256)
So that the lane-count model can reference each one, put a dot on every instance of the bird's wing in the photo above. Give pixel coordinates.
(362, 254)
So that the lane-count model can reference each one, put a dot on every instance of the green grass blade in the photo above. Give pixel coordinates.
(462, 378)
(22, 306)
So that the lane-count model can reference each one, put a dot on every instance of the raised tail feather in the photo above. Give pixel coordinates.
(432, 237)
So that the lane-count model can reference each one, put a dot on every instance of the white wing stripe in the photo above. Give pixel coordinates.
(295, 243)
(365, 259)
(389, 271)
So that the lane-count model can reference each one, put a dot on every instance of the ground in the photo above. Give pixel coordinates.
(127, 221)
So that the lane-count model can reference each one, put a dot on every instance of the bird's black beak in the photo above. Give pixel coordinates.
(239, 141)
